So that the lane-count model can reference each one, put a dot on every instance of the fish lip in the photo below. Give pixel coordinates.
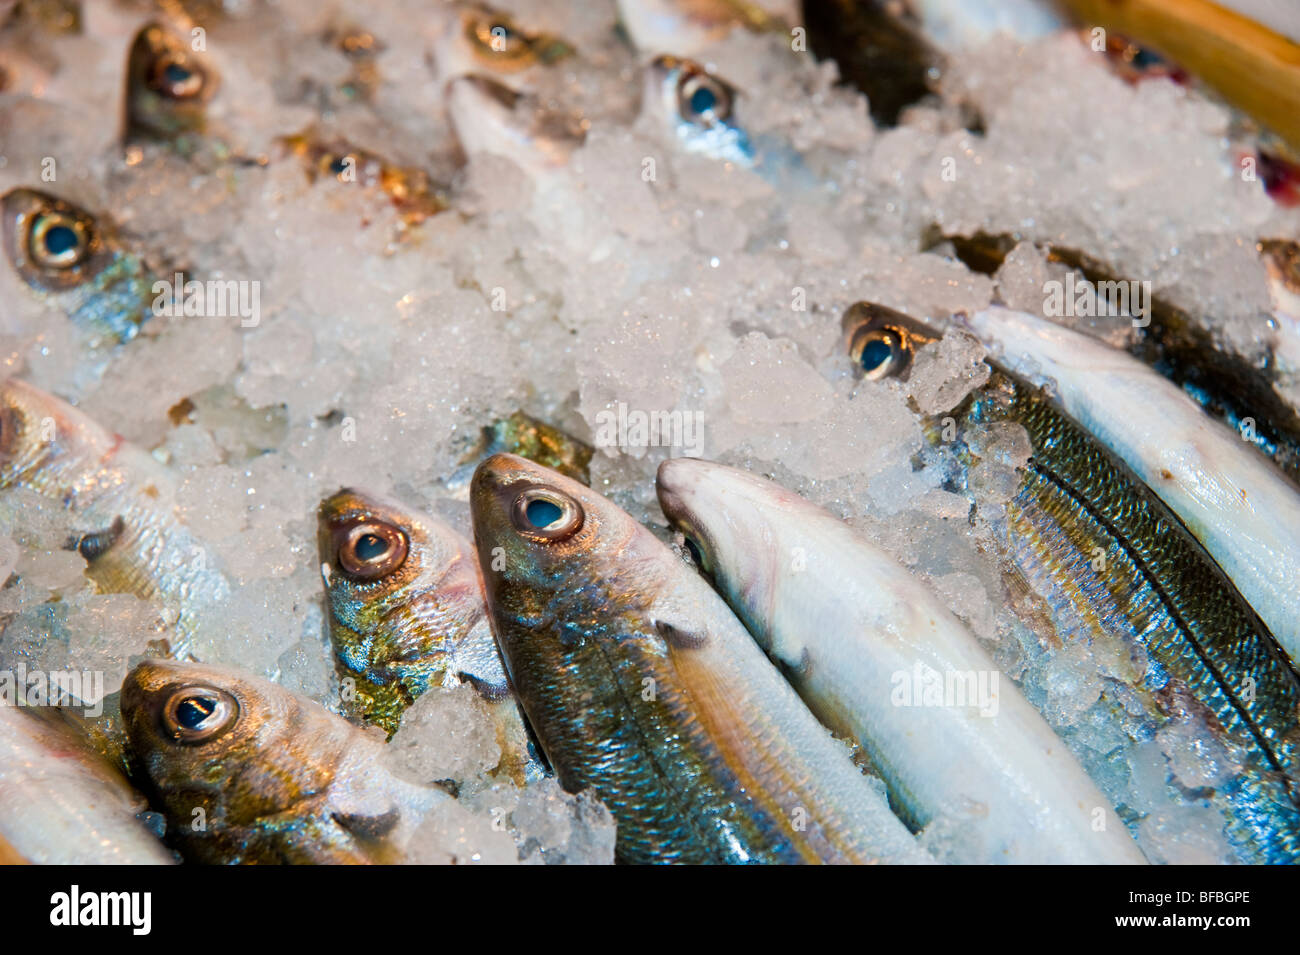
(672, 479)
(675, 479)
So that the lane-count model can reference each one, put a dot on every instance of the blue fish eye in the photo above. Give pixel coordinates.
(1145, 59)
(193, 711)
(339, 165)
(60, 239)
(176, 74)
(543, 513)
(371, 546)
(703, 100)
(874, 354)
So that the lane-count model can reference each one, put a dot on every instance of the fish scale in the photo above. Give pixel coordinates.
(1160, 588)
(642, 686)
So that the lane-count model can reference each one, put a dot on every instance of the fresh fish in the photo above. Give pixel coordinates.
(699, 109)
(480, 40)
(61, 802)
(1178, 345)
(1115, 565)
(850, 627)
(1238, 506)
(246, 772)
(876, 50)
(409, 188)
(407, 614)
(490, 117)
(689, 27)
(529, 438)
(121, 506)
(642, 685)
(78, 263)
(168, 88)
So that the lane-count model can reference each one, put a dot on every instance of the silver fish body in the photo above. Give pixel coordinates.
(852, 628)
(121, 506)
(62, 803)
(1240, 508)
(642, 685)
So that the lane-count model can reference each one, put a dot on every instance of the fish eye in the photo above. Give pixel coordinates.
(372, 549)
(497, 40)
(173, 76)
(547, 515)
(701, 98)
(879, 352)
(58, 240)
(697, 553)
(198, 714)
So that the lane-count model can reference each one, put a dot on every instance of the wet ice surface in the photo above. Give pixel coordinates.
(574, 291)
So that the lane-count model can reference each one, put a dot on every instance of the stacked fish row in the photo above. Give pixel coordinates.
(643, 684)
(700, 710)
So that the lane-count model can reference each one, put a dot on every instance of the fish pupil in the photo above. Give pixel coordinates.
(694, 550)
(371, 546)
(60, 240)
(703, 100)
(874, 354)
(176, 74)
(191, 713)
(542, 513)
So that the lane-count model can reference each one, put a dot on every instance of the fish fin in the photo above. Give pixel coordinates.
(94, 544)
(679, 638)
(369, 828)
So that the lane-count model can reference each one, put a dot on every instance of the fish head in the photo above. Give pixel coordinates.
(236, 746)
(39, 433)
(406, 603)
(490, 117)
(698, 107)
(376, 547)
(409, 189)
(52, 244)
(541, 536)
(881, 341)
(480, 40)
(725, 515)
(75, 258)
(168, 86)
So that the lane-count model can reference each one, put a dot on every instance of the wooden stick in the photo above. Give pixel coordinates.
(1253, 68)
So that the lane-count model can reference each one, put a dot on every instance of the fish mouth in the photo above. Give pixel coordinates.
(673, 480)
(484, 89)
(678, 484)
